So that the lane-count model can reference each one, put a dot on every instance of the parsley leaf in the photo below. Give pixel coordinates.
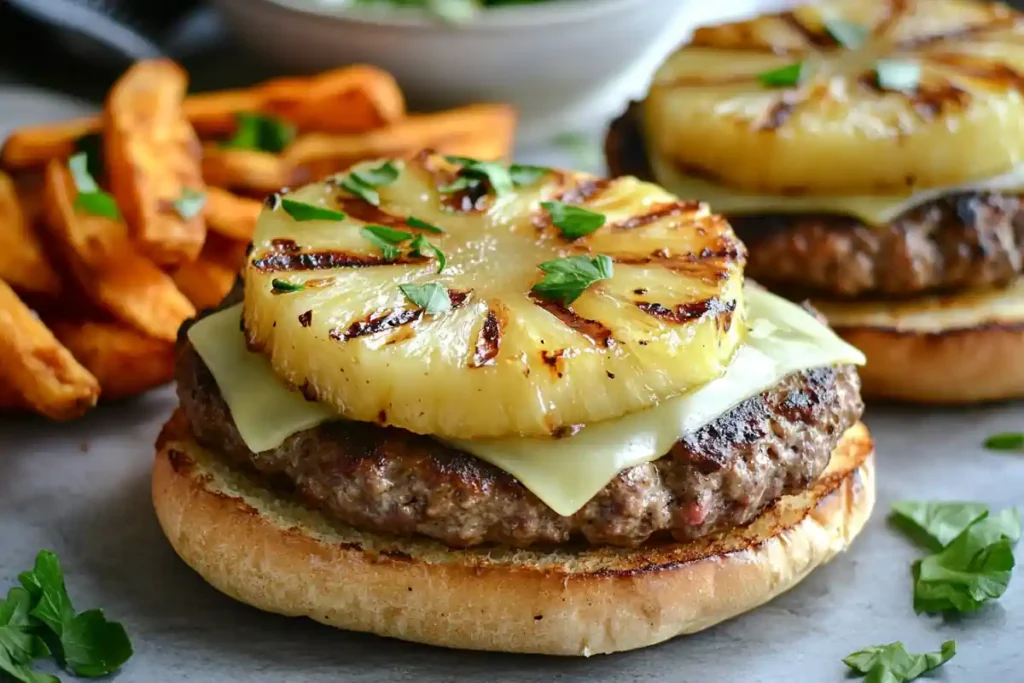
(846, 33)
(898, 75)
(89, 645)
(459, 184)
(573, 221)
(310, 212)
(262, 133)
(91, 199)
(190, 203)
(523, 175)
(421, 245)
(783, 76)
(385, 174)
(1007, 441)
(496, 175)
(970, 571)
(937, 523)
(283, 286)
(566, 279)
(362, 183)
(16, 638)
(414, 222)
(431, 297)
(893, 664)
(387, 239)
(92, 146)
(21, 671)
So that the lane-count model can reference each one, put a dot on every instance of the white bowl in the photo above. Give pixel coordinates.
(566, 65)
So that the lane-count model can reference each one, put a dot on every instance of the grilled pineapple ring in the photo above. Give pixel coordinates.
(841, 129)
(503, 361)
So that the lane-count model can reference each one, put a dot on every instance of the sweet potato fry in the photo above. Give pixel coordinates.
(229, 215)
(248, 171)
(10, 400)
(33, 146)
(208, 279)
(346, 100)
(153, 161)
(117, 278)
(482, 131)
(351, 99)
(124, 361)
(41, 371)
(23, 262)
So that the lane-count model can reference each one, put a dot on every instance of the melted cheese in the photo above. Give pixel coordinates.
(563, 473)
(873, 210)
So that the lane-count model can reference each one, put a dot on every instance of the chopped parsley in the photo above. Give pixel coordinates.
(190, 204)
(261, 133)
(1006, 441)
(38, 620)
(91, 199)
(283, 286)
(524, 175)
(310, 212)
(92, 145)
(421, 246)
(573, 221)
(362, 183)
(496, 175)
(565, 279)
(414, 222)
(893, 664)
(387, 239)
(783, 77)
(973, 553)
(431, 297)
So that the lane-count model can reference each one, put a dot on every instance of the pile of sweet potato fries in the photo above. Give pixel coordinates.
(117, 228)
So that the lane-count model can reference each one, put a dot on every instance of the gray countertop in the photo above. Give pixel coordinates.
(82, 489)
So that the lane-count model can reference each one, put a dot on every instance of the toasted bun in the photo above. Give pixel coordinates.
(945, 350)
(283, 558)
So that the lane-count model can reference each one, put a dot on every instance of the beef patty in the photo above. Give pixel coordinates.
(389, 480)
(958, 242)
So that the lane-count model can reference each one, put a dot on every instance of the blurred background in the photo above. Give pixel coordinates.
(567, 65)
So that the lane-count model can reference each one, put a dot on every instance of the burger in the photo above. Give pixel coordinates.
(869, 153)
(508, 408)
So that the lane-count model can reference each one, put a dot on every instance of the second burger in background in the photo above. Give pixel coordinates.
(869, 154)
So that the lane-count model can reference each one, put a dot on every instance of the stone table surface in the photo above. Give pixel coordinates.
(82, 489)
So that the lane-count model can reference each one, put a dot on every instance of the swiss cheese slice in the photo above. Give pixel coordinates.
(873, 210)
(563, 473)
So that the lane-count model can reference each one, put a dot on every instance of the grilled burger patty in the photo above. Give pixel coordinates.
(959, 242)
(389, 480)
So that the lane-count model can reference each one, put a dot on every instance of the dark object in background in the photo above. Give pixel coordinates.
(113, 30)
(80, 46)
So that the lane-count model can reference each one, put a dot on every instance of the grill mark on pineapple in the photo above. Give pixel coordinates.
(930, 100)
(306, 319)
(710, 265)
(1004, 19)
(593, 330)
(779, 114)
(368, 213)
(815, 36)
(390, 319)
(374, 323)
(692, 311)
(896, 11)
(488, 341)
(555, 360)
(584, 191)
(658, 212)
(298, 261)
(974, 67)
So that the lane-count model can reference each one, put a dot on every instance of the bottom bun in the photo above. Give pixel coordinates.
(951, 350)
(283, 558)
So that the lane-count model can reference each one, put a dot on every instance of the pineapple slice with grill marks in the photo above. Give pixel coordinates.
(858, 121)
(503, 361)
